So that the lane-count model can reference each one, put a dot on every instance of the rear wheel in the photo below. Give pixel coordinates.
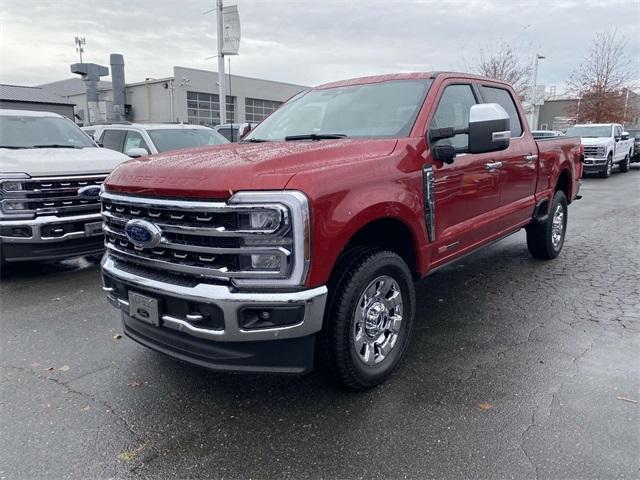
(369, 318)
(606, 171)
(624, 164)
(545, 240)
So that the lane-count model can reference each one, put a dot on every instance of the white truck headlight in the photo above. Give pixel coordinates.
(11, 186)
(13, 205)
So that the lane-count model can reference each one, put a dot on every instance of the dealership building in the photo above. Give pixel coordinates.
(189, 96)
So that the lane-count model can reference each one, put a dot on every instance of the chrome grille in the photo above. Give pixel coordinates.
(198, 238)
(55, 195)
(593, 151)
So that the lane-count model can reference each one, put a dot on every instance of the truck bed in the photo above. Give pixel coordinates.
(558, 153)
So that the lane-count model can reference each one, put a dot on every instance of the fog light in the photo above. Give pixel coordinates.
(268, 317)
(23, 232)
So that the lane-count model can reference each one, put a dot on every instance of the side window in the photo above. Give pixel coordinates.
(113, 139)
(226, 132)
(618, 132)
(453, 111)
(134, 140)
(503, 98)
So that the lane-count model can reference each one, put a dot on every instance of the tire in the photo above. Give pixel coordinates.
(624, 164)
(542, 238)
(361, 354)
(606, 172)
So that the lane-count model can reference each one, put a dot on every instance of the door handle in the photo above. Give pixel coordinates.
(531, 158)
(491, 166)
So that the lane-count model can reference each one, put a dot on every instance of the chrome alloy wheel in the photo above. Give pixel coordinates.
(377, 322)
(609, 167)
(557, 227)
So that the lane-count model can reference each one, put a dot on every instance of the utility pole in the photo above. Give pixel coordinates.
(534, 92)
(221, 83)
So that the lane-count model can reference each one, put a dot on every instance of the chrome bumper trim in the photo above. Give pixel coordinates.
(37, 223)
(229, 302)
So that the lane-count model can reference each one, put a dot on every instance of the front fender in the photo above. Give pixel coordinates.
(337, 218)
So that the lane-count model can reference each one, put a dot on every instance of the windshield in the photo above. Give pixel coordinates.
(377, 110)
(41, 132)
(590, 131)
(169, 139)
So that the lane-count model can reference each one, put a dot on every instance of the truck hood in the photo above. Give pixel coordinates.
(596, 142)
(217, 172)
(39, 162)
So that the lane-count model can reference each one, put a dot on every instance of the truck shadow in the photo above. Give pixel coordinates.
(464, 319)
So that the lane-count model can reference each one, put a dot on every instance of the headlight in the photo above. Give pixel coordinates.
(13, 205)
(277, 237)
(260, 220)
(12, 186)
(13, 192)
(601, 151)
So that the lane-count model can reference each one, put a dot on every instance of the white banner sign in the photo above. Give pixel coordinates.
(231, 28)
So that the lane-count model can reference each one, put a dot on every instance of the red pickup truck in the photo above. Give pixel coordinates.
(303, 241)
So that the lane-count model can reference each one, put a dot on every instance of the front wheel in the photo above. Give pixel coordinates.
(545, 240)
(369, 318)
(608, 168)
(624, 164)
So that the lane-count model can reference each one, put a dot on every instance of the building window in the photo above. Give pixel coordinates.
(204, 108)
(257, 109)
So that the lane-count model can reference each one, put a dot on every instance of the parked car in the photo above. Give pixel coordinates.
(634, 133)
(233, 131)
(50, 179)
(140, 139)
(545, 133)
(605, 145)
(308, 235)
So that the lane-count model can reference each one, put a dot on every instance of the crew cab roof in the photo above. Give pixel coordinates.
(406, 76)
(7, 112)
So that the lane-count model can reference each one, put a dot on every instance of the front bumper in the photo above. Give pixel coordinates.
(219, 341)
(50, 237)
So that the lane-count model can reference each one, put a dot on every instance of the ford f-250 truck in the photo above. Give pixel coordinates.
(605, 145)
(50, 178)
(307, 236)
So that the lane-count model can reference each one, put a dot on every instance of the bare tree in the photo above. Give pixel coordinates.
(504, 61)
(601, 80)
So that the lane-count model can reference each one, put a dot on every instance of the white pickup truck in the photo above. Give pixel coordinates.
(605, 144)
(50, 179)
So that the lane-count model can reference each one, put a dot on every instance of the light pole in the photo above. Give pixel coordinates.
(222, 94)
(534, 90)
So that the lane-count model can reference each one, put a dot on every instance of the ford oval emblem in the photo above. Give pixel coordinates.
(89, 192)
(142, 233)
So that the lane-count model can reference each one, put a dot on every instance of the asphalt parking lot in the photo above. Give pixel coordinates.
(518, 369)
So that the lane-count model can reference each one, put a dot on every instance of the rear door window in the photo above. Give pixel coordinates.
(113, 139)
(503, 98)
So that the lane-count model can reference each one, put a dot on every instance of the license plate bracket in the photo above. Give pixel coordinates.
(92, 228)
(144, 308)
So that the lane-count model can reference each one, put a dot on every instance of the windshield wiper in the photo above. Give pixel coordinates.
(254, 140)
(13, 147)
(54, 145)
(315, 136)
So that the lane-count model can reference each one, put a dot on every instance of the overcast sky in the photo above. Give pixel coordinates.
(306, 42)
